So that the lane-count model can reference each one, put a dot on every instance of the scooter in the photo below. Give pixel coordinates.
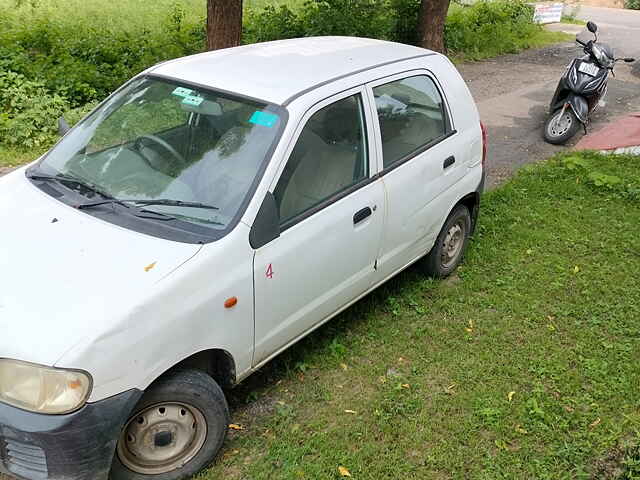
(581, 89)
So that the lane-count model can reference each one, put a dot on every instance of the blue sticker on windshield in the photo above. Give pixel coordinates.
(192, 100)
(263, 118)
(182, 92)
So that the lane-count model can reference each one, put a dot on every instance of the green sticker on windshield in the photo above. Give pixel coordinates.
(263, 118)
(182, 92)
(192, 100)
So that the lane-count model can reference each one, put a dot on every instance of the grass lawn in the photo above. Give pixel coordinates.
(115, 15)
(10, 157)
(572, 20)
(121, 14)
(523, 365)
(541, 38)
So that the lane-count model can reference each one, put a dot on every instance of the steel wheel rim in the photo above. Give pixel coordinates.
(452, 244)
(162, 438)
(560, 125)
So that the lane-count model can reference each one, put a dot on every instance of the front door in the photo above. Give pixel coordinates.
(331, 213)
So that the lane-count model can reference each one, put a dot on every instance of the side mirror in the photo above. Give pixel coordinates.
(592, 27)
(266, 226)
(63, 126)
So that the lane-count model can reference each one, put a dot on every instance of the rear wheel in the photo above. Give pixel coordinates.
(560, 127)
(447, 252)
(176, 430)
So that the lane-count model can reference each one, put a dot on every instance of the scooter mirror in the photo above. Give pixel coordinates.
(629, 59)
(592, 27)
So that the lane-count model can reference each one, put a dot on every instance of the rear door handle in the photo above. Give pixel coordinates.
(449, 161)
(360, 215)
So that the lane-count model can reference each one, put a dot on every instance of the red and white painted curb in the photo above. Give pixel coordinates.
(618, 137)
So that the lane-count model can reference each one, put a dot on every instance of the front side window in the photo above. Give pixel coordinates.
(411, 115)
(163, 140)
(329, 157)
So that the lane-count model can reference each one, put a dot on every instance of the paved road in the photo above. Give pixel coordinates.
(619, 28)
(513, 91)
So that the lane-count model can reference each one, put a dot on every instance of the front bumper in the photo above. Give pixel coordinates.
(77, 446)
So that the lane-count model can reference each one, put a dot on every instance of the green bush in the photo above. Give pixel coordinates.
(489, 28)
(84, 60)
(482, 29)
(632, 4)
(74, 115)
(80, 58)
(87, 62)
(385, 19)
(358, 18)
(29, 111)
(271, 23)
(405, 20)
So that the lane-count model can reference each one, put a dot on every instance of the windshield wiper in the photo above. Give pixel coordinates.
(145, 203)
(62, 177)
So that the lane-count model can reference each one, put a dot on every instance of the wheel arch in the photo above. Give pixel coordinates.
(472, 202)
(216, 362)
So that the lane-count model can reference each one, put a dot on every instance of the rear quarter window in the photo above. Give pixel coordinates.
(412, 115)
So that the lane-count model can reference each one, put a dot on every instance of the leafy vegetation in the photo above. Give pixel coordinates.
(57, 56)
(489, 28)
(522, 365)
(86, 54)
(256, 4)
(29, 111)
(632, 4)
(572, 20)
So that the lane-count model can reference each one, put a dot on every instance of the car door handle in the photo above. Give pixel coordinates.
(361, 215)
(449, 161)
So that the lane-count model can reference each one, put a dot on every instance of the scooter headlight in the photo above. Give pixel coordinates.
(42, 389)
(602, 58)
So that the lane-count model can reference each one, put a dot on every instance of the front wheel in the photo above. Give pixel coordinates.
(560, 127)
(176, 429)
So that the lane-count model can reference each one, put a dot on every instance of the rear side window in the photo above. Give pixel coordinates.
(412, 115)
(329, 157)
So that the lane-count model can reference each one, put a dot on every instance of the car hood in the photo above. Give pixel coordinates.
(66, 275)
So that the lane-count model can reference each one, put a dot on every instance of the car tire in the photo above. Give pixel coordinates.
(176, 429)
(559, 134)
(450, 246)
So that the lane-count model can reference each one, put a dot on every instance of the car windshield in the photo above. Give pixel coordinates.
(163, 140)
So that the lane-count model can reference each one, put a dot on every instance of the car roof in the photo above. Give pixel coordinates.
(278, 72)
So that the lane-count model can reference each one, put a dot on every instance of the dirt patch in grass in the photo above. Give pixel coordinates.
(621, 462)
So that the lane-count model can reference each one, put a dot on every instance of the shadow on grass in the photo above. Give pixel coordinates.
(252, 398)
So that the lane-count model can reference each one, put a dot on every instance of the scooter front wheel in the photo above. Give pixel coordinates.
(560, 127)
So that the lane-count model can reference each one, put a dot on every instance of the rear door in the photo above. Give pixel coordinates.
(331, 219)
(421, 159)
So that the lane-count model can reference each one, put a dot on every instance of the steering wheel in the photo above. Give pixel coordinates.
(160, 142)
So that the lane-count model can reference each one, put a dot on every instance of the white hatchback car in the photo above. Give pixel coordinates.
(210, 213)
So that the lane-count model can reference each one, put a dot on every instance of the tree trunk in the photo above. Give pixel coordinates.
(224, 23)
(433, 14)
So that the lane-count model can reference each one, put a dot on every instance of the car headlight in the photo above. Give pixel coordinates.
(43, 389)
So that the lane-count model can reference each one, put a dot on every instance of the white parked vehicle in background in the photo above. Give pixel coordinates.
(210, 213)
